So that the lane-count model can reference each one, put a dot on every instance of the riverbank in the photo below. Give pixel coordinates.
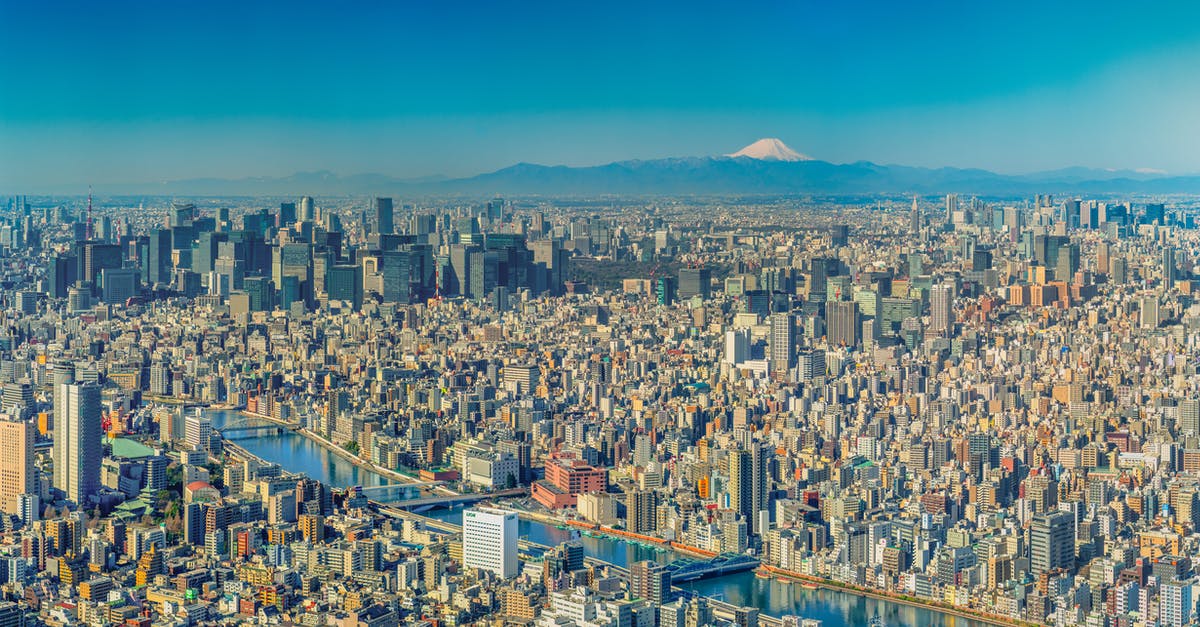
(775, 596)
(891, 597)
(356, 460)
(617, 534)
(335, 449)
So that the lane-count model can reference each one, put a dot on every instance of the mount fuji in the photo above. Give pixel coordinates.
(770, 149)
(767, 166)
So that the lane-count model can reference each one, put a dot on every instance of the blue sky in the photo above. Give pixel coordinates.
(143, 91)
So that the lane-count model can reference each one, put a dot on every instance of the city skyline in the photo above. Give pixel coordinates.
(116, 94)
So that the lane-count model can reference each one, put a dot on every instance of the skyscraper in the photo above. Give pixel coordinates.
(694, 282)
(737, 346)
(941, 309)
(915, 217)
(77, 434)
(384, 223)
(783, 342)
(1168, 267)
(951, 206)
(1189, 416)
(490, 540)
(842, 323)
(760, 456)
(287, 214)
(158, 261)
(1052, 542)
(61, 374)
(16, 464)
(741, 483)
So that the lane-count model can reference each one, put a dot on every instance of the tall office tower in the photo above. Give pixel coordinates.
(694, 282)
(1118, 270)
(941, 309)
(1052, 542)
(1189, 416)
(384, 223)
(810, 364)
(783, 342)
(458, 280)
(80, 435)
(842, 323)
(760, 518)
(287, 215)
(62, 374)
(839, 235)
(741, 483)
(650, 581)
(62, 272)
(308, 210)
(951, 206)
(17, 475)
(1102, 257)
(640, 514)
(182, 214)
(96, 257)
(490, 541)
(737, 346)
(484, 273)
(1067, 261)
(158, 257)
(495, 210)
(1155, 213)
(344, 283)
(1168, 267)
(1149, 311)
(914, 222)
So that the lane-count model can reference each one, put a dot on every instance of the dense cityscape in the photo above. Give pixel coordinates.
(615, 412)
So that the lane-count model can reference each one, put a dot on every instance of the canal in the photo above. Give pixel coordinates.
(296, 453)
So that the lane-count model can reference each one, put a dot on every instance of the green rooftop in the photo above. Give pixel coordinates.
(130, 449)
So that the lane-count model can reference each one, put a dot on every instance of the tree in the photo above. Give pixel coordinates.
(351, 446)
(175, 477)
(216, 473)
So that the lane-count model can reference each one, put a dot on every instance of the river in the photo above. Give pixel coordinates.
(296, 453)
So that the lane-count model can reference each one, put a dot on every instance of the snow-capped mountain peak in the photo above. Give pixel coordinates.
(770, 149)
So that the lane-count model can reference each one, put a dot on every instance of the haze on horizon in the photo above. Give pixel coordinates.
(143, 91)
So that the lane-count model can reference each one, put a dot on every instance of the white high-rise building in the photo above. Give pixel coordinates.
(737, 346)
(951, 206)
(490, 540)
(941, 309)
(197, 432)
(77, 440)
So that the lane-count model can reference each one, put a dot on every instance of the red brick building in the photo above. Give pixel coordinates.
(565, 480)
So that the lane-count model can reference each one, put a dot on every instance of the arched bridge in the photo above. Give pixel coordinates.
(248, 427)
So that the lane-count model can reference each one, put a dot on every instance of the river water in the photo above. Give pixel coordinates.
(297, 453)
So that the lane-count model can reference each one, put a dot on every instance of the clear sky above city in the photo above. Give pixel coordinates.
(144, 91)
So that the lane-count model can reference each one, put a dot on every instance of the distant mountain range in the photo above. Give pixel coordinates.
(767, 166)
